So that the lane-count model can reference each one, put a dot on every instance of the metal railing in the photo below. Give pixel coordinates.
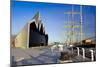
(85, 52)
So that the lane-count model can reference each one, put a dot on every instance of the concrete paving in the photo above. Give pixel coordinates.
(39, 55)
(33, 56)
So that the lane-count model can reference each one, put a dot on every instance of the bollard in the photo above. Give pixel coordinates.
(92, 55)
(52, 50)
(83, 52)
(72, 50)
(13, 61)
(78, 52)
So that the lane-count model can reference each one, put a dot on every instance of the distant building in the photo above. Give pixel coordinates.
(91, 40)
(32, 35)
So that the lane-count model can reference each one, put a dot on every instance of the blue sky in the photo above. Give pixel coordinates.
(53, 18)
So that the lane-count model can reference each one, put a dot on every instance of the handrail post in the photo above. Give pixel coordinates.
(72, 49)
(83, 50)
(92, 55)
(78, 52)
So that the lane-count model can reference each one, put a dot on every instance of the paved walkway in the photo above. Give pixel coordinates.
(33, 56)
(41, 55)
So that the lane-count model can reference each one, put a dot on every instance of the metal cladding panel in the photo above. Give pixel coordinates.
(21, 38)
(36, 37)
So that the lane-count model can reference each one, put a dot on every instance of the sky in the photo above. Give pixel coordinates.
(53, 18)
